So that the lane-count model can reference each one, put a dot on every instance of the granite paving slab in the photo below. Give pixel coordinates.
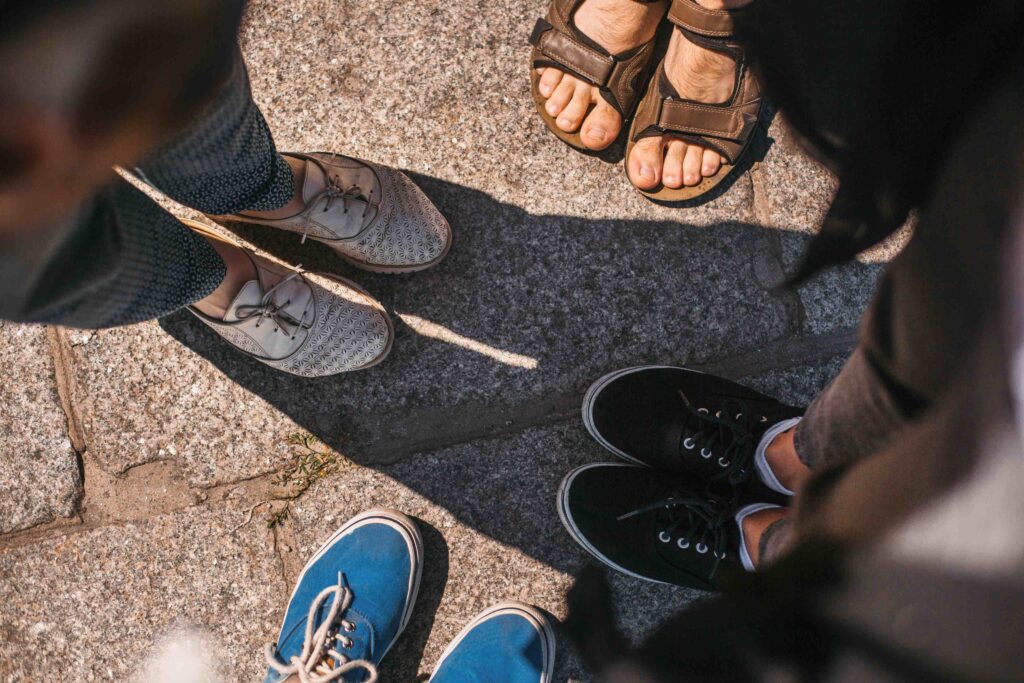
(101, 605)
(442, 89)
(39, 472)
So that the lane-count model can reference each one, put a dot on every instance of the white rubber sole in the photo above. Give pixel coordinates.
(414, 540)
(532, 615)
(577, 535)
(598, 386)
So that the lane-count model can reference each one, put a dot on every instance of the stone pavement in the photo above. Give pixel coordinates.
(149, 479)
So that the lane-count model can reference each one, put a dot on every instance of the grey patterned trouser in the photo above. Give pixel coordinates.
(123, 259)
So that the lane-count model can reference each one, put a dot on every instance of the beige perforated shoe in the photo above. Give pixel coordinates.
(306, 324)
(373, 216)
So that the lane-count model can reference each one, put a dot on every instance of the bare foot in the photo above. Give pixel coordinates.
(697, 74)
(618, 26)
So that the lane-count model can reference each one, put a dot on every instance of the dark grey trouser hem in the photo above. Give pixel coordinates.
(226, 161)
(123, 259)
(856, 415)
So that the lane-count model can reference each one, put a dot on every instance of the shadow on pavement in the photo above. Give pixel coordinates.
(577, 297)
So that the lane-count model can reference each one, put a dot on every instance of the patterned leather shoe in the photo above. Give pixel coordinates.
(373, 216)
(305, 324)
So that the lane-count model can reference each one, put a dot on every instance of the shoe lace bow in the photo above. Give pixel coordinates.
(335, 191)
(313, 664)
(267, 308)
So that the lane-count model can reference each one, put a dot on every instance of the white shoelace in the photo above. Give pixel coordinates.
(312, 665)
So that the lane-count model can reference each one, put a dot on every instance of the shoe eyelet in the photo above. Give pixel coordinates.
(703, 410)
(701, 545)
(682, 545)
(664, 537)
(764, 418)
(738, 416)
(689, 443)
(722, 462)
(705, 453)
(718, 413)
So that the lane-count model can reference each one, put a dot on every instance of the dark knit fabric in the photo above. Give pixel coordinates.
(123, 259)
(227, 161)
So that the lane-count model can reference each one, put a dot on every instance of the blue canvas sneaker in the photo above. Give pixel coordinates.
(351, 602)
(507, 643)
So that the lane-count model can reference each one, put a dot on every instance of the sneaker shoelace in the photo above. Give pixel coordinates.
(313, 665)
(267, 308)
(698, 521)
(731, 428)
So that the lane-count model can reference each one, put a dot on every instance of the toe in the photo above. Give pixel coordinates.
(645, 162)
(711, 162)
(561, 97)
(602, 125)
(572, 116)
(549, 80)
(673, 173)
(691, 165)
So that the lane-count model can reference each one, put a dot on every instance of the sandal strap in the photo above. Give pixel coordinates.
(687, 116)
(579, 58)
(710, 23)
(726, 128)
(556, 40)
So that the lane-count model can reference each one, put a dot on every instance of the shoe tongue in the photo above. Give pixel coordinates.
(249, 295)
(273, 341)
(315, 182)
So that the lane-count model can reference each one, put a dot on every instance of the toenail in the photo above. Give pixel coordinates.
(690, 178)
(545, 89)
(552, 109)
(564, 122)
(597, 133)
(670, 179)
(646, 172)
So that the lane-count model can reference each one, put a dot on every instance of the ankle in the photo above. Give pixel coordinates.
(784, 462)
(240, 270)
(617, 25)
(698, 73)
(754, 527)
(297, 204)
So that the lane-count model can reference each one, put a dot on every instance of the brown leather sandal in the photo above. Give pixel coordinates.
(558, 43)
(726, 128)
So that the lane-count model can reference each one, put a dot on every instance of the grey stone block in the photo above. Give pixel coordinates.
(102, 604)
(39, 474)
(833, 299)
(792, 190)
(143, 397)
(799, 385)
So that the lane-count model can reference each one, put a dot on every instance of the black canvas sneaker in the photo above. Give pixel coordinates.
(700, 426)
(651, 525)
